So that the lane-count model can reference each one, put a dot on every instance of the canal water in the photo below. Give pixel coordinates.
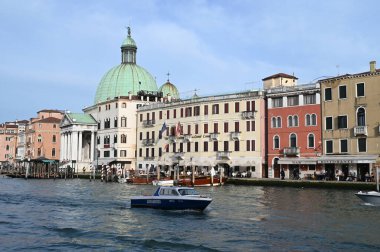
(65, 215)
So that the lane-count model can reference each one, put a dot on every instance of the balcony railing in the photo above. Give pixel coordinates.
(223, 155)
(149, 123)
(148, 142)
(235, 135)
(360, 130)
(291, 151)
(214, 136)
(248, 114)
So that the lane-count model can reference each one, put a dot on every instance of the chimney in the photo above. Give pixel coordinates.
(372, 66)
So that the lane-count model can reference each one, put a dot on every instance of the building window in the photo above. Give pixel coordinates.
(360, 90)
(115, 122)
(53, 152)
(237, 145)
(205, 110)
(39, 138)
(278, 122)
(141, 117)
(311, 167)
(188, 147)
(175, 113)
(205, 128)
(276, 142)
(107, 123)
(310, 141)
(196, 146)
(98, 140)
(123, 122)
(160, 152)
(248, 148)
(140, 152)
(98, 124)
(329, 123)
(237, 107)
(7, 148)
(39, 152)
(160, 115)
(343, 146)
(362, 144)
(123, 105)
(226, 145)
(197, 110)
(54, 138)
(237, 127)
(225, 127)
(106, 153)
(293, 140)
(216, 146)
(293, 121)
(225, 108)
(216, 128)
(328, 95)
(309, 99)
(250, 145)
(123, 153)
(277, 102)
(196, 129)
(123, 138)
(115, 137)
(342, 122)
(329, 146)
(342, 92)
(360, 117)
(215, 109)
(293, 100)
(167, 114)
(205, 146)
(114, 151)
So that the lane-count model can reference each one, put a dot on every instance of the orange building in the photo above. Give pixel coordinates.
(8, 143)
(43, 135)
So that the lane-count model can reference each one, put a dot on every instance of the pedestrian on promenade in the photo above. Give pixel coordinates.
(282, 174)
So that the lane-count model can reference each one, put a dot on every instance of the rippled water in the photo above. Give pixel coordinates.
(79, 215)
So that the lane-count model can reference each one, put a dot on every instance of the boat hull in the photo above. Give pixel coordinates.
(370, 197)
(170, 203)
(202, 181)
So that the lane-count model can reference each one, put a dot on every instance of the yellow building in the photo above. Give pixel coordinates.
(350, 123)
(221, 131)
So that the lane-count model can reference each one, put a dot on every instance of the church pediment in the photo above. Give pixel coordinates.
(65, 121)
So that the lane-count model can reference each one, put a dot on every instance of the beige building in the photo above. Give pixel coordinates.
(221, 131)
(350, 123)
(8, 143)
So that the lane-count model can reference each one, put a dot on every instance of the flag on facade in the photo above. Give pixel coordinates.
(162, 130)
(178, 130)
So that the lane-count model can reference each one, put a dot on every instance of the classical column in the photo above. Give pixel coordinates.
(92, 146)
(64, 146)
(61, 146)
(74, 143)
(80, 147)
(69, 146)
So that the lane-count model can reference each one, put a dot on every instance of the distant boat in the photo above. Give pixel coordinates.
(172, 198)
(202, 181)
(372, 197)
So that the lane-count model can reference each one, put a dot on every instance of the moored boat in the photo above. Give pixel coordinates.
(172, 198)
(202, 181)
(164, 182)
(372, 197)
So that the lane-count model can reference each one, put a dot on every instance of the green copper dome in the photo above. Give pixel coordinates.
(169, 88)
(126, 78)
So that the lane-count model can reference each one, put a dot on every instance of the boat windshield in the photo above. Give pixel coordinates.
(188, 192)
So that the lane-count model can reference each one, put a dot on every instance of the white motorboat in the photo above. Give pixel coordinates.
(169, 182)
(371, 197)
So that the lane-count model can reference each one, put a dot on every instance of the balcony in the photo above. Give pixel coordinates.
(235, 135)
(214, 136)
(187, 138)
(360, 131)
(148, 142)
(149, 123)
(106, 146)
(291, 151)
(148, 158)
(248, 114)
(220, 155)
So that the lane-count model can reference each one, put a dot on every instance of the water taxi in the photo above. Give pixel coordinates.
(173, 198)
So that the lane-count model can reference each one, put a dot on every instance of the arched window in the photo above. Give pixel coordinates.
(276, 142)
(295, 121)
(279, 122)
(39, 138)
(123, 138)
(290, 121)
(293, 140)
(310, 141)
(360, 117)
(7, 148)
(314, 119)
(54, 138)
(274, 122)
(308, 120)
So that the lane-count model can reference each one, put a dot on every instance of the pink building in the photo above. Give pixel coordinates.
(43, 135)
(8, 143)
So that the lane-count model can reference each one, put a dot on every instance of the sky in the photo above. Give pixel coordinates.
(54, 53)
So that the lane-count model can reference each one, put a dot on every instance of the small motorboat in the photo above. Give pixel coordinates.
(173, 198)
(372, 197)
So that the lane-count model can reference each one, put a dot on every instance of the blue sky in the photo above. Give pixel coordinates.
(54, 53)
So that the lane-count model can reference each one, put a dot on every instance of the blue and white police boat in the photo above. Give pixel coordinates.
(173, 198)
